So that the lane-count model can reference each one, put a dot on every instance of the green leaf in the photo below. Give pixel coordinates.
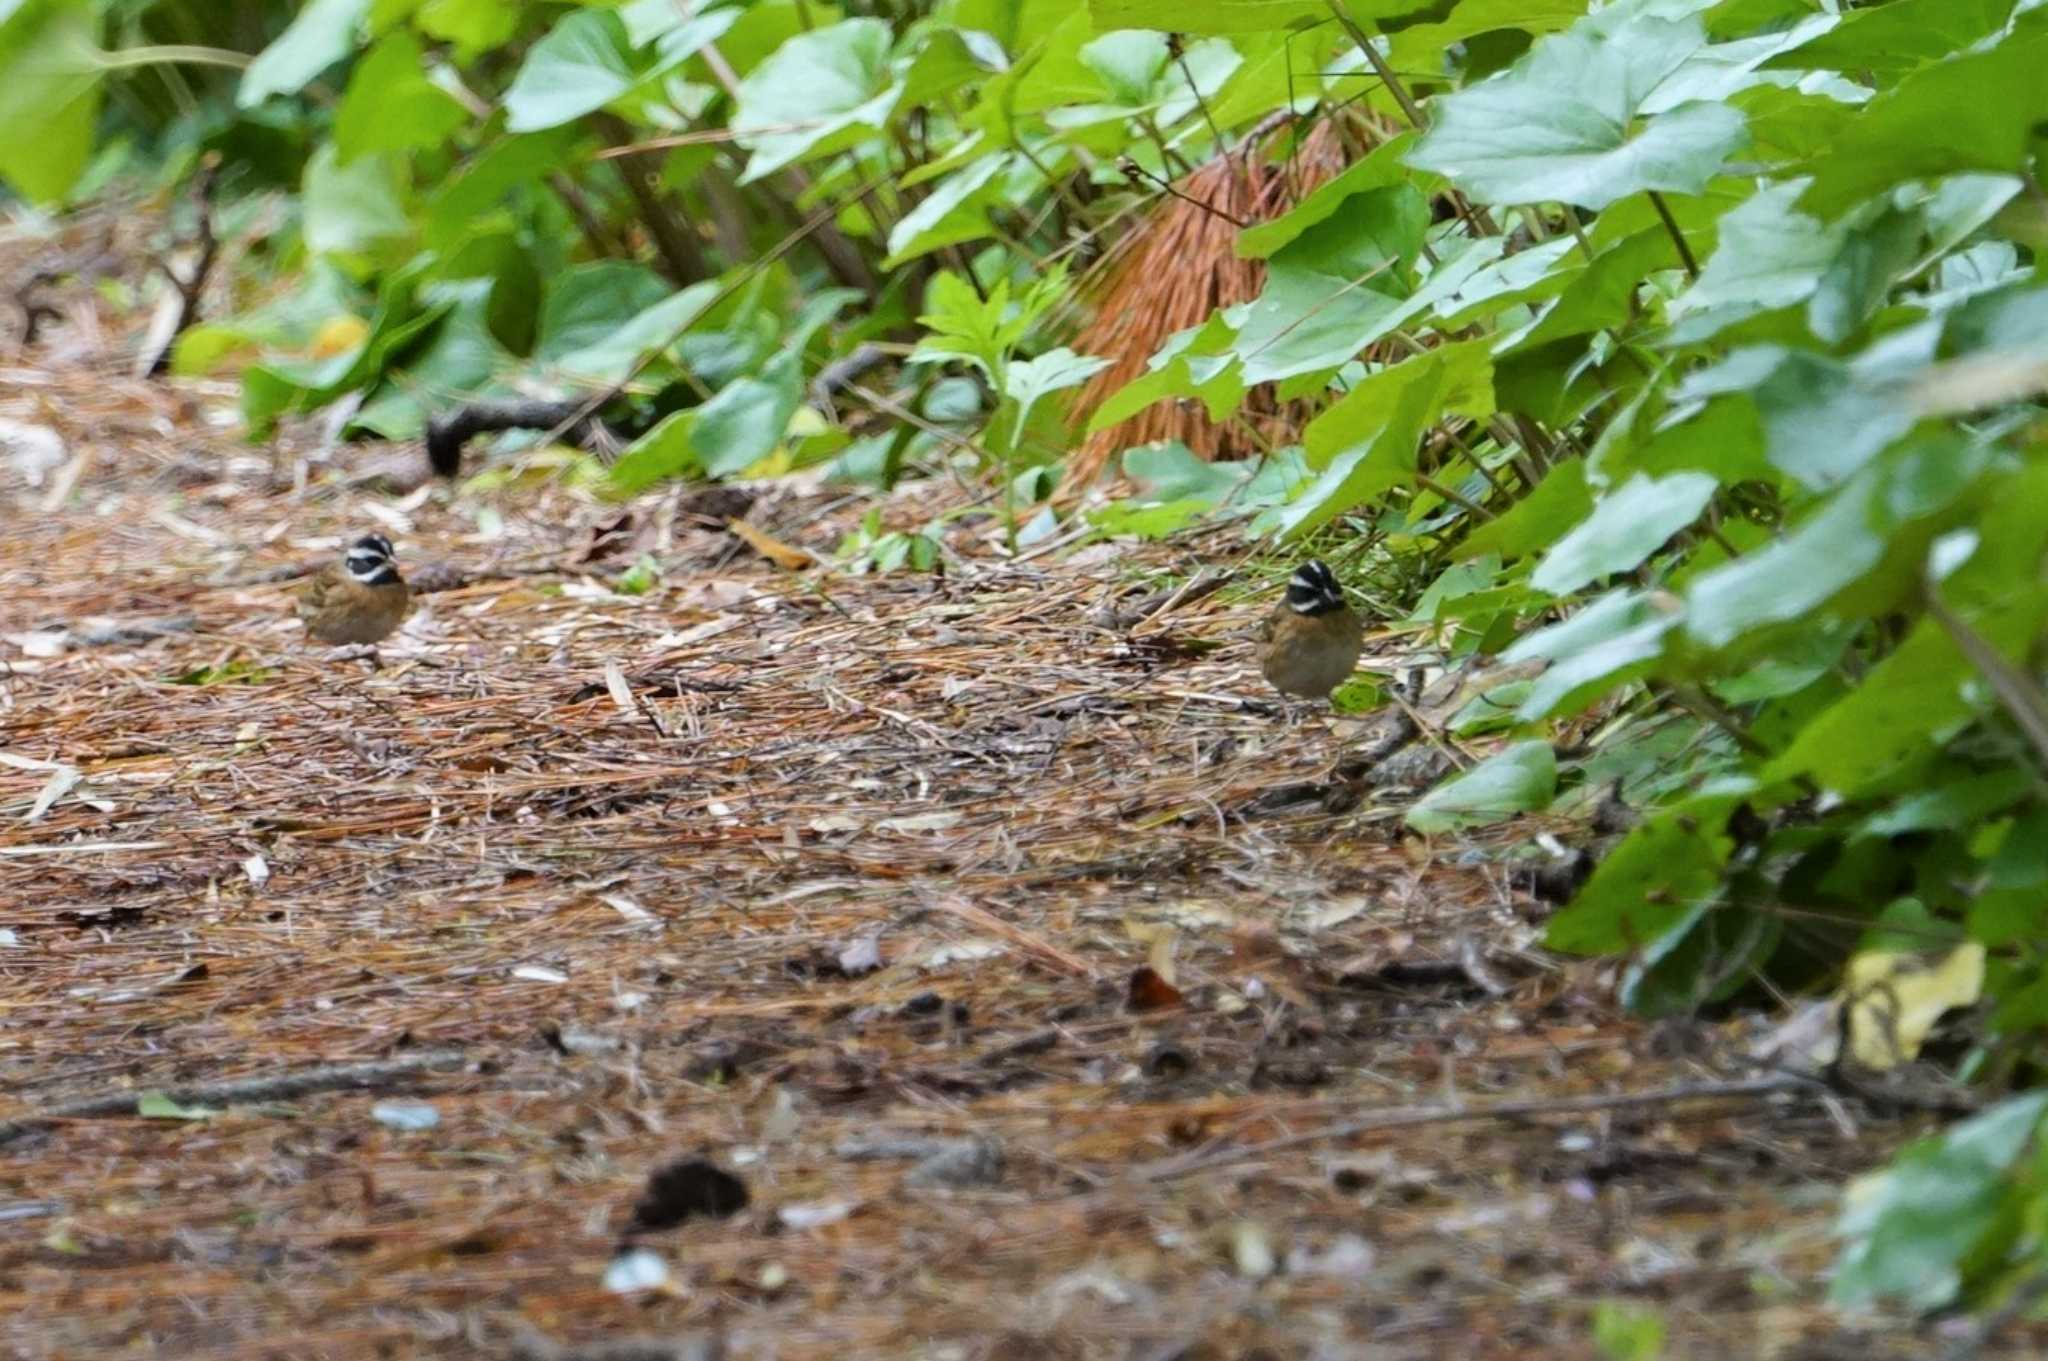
(1366, 443)
(819, 92)
(1897, 36)
(747, 418)
(1171, 472)
(1911, 1228)
(1626, 1332)
(1197, 362)
(49, 95)
(1562, 125)
(474, 26)
(665, 451)
(354, 209)
(1974, 112)
(1518, 779)
(1838, 548)
(1228, 16)
(607, 358)
(1823, 420)
(320, 35)
(1332, 290)
(1661, 871)
(1561, 498)
(503, 171)
(158, 1106)
(956, 211)
(583, 64)
(1058, 368)
(584, 304)
(1770, 254)
(1380, 169)
(1630, 523)
(390, 105)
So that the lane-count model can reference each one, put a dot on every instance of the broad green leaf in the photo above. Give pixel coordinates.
(610, 357)
(1974, 112)
(390, 105)
(1562, 125)
(1577, 678)
(1197, 362)
(583, 64)
(1897, 36)
(584, 305)
(1366, 443)
(1629, 523)
(455, 361)
(1598, 296)
(1561, 498)
(1839, 547)
(508, 167)
(1661, 872)
(1421, 45)
(1128, 63)
(320, 35)
(1823, 420)
(1171, 472)
(1379, 169)
(1331, 290)
(1770, 254)
(956, 211)
(666, 451)
(1912, 1227)
(1025, 381)
(819, 92)
(472, 25)
(353, 209)
(49, 95)
(1229, 16)
(1518, 779)
(747, 418)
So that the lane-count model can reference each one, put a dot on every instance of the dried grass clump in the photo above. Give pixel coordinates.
(1178, 266)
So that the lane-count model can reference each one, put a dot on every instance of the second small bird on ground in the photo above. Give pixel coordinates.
(358, 600)
(1310, 643)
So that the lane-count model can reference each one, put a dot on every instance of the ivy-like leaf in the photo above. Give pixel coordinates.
(1561, 125)
(818, 92)
(1630, 523)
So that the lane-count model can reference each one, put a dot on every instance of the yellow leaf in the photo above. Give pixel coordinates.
(770, 547)
(1895, 997)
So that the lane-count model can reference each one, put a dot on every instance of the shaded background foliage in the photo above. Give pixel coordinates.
(1671, 365)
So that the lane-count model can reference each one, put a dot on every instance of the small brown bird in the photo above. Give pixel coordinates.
(358, 600)
(1310, 642)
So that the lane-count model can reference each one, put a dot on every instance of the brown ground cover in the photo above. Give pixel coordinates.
(844, 891)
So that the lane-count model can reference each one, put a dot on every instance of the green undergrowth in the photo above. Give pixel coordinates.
(1676, 364)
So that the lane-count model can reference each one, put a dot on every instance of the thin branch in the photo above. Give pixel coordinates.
(332, 1077)
(1407, 1117)
(1685, 255)
(2020, 696)
(1132, 170)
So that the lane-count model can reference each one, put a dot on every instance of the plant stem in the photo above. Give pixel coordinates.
(1685, 255)
(168, 54)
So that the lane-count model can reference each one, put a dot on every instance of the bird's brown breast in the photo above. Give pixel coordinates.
(338, 609)
(1310, 654)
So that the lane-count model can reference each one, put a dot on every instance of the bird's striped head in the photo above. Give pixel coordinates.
(1313, 590)
(369, 561)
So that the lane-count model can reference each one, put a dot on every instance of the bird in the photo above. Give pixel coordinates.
(1310, 643)
(358, 600)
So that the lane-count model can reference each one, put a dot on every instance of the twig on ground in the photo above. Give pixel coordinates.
(1404, 1117)
(243, 1091)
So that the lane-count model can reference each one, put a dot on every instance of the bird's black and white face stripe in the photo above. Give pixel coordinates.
(1313, 589)
(369, 561)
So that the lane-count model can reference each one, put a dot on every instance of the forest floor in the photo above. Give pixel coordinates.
(835, 892)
